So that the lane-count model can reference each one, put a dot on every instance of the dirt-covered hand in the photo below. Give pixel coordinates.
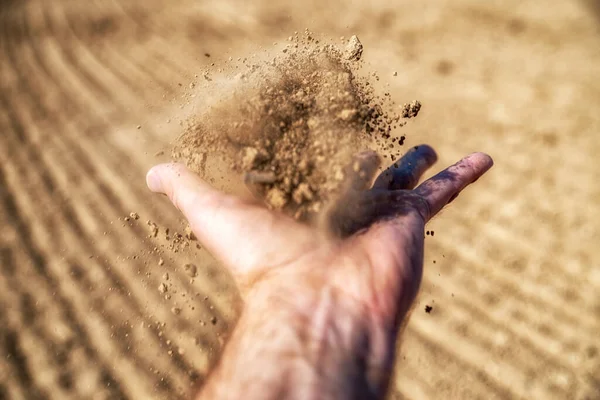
(322, 311)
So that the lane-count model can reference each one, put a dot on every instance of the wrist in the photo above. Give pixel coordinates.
(309, 341)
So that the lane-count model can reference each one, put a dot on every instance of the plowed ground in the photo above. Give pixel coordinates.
(512, 272)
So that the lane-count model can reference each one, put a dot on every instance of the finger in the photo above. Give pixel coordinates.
(445, 186)
(239, 233)
(406, 172)
(358, 176)
(361, 171)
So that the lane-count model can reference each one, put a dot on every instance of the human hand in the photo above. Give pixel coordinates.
(321, 312)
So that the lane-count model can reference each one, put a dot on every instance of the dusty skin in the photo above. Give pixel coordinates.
(97, 304)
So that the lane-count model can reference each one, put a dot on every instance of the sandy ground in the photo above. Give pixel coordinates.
(90, 91)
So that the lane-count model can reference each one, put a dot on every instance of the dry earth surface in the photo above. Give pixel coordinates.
(94, 306)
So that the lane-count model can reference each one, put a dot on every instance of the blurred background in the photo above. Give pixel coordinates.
(93, 305)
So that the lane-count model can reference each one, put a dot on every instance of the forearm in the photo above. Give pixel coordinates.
(336, 351)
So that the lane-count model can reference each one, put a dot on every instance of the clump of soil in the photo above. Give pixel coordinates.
(291, 125)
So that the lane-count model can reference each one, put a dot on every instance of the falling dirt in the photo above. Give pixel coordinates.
(294, 122)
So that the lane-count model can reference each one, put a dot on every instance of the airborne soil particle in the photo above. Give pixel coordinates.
(354, 49)
(189, 234)
(191, 270)
(291, 125)
(153, 228)
(411, 110)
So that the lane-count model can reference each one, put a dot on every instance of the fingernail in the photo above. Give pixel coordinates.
(153, 180)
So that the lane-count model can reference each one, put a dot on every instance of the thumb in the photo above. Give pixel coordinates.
(242, 235)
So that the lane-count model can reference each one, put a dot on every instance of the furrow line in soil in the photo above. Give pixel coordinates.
(84, 165)
(19, 373)
(494, 336)
(115, 286)
(43, 169)
(471, 360)
(501, 237)
(538, 298)
(42, 276)
(46, 334)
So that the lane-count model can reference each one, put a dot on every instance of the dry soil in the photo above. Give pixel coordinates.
(100, 303)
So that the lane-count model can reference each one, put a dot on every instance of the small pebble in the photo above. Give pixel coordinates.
(191, 270)
(354, 49)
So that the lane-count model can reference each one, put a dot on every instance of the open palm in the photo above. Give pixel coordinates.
(370, 270)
